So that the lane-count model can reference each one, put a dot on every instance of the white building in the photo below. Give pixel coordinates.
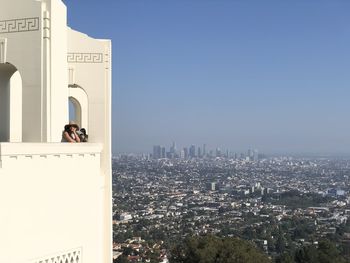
(55, 198)
(125, 217)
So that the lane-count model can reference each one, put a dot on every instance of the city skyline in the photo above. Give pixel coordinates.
(236, 73)
(200, 151)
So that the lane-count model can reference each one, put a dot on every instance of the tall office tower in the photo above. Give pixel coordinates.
(204, 150)
(192, 151)
(250, 154)
(182, 154)
(227, 155)
(211, 186)
(173, 148)
(199, 152)
(211, 153)
(157, 152)
(218, 152)
(255, 155)
(185, 152)
(162, 152)
(63, 189)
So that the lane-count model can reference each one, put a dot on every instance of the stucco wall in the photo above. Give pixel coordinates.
(50, 198)
(88, 55)
(58, 112)
(54, 197)
(23, 29)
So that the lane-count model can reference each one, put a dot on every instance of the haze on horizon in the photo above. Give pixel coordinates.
(236, 74)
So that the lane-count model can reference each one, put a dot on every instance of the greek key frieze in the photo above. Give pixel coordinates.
(19, 25)
(85, 58)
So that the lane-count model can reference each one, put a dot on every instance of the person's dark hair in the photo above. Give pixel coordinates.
(83, 136)
(67, 128)
(83, 131)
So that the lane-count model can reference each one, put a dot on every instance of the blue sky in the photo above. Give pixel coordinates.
(238, 74)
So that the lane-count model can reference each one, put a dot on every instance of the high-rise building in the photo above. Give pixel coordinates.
(157, 152)
(182, 154)
(218, 152)
(63, 189)
(204, 150)
(199, 152)
(211, 153)
(173, 148)
(192, 152)
(162, 152)
(250, 154)
(255, 155)
(211, 186)
(186, 154)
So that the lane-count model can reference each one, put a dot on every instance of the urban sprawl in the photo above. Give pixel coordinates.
(279, 204)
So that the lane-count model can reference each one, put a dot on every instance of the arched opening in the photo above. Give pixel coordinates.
(75, 111)
(78, 106)
(10, 104)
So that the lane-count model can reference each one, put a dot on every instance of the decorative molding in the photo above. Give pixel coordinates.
(19, 25)
(72, 256)
(3, 49)
(107, 57)
(71, 75)
(46, 25)
(85, 58)
(106, 61)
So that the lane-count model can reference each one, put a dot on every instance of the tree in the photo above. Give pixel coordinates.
(306, 254)
(280, 244)
(285, 258)
(121, 259)
(326, 252)
(127, 251)
(212, 249)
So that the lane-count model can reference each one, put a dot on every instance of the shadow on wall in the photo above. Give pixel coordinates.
(10, 104)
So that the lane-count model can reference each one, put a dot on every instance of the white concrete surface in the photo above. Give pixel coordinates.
(56, 198)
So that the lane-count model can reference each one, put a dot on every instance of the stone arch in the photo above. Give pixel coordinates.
(10, 103)
(79, 98)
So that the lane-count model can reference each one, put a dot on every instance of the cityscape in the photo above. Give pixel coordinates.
(192, 151)
(178, 131)
(230, 130)
(291, 209)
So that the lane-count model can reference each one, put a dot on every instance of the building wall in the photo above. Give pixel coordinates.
(89, 59)
(5, 76)
(86, 54)
(50, 195)
(10, 104)
(22, 27)
(55, 197)
(55, 46)
(15, 118)
(36, 35)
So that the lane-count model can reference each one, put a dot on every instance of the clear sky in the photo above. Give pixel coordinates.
(271, 74)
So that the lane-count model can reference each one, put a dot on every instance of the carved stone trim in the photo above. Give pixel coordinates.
(46, 25)
(71, 75)
(3, 48)
(19, 25)
(85, 58)
(72, 256)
